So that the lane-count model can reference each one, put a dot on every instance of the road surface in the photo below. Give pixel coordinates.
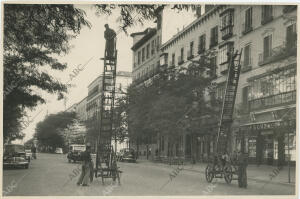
(51, 175)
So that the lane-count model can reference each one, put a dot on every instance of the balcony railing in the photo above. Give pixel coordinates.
(246, 65)
(273, 100)
(190, 55)
(180, 60)
(247, 28)
(279, 52)
(227, 32)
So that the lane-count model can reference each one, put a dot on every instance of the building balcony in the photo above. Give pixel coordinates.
(246, 65)
(227, 32)
(280, 52)
(247, 28)
(266, 19)
(273, 100)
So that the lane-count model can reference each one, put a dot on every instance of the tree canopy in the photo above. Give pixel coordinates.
(50, 131)
(170, 105)
(33, 36)
(134, 14)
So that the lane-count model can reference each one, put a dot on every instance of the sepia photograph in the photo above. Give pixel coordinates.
(149, 99)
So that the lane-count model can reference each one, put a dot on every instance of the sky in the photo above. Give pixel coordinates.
(87, 49)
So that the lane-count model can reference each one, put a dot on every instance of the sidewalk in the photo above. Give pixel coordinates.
(260, 173)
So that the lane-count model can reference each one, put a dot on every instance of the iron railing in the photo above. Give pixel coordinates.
(273, 100)
(286, 49)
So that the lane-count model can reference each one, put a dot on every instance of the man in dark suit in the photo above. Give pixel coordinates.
(85, 167)
(110, 45)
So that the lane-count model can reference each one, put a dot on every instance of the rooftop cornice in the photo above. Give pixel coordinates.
(192, 26)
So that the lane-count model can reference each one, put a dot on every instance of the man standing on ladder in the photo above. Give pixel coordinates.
(110, 44)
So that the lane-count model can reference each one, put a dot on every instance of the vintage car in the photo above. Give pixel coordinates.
(74, 152)
(127, 155)
(59, 151)
(28, 154)
(14, 155)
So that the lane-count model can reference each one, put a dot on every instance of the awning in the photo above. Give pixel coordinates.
(268, 125)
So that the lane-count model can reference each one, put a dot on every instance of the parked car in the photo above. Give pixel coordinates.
(126, 155)
(59, 151)
(28, 154)
(14, 155)
(74, 152)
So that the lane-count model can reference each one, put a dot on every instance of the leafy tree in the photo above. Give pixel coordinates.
(173, 104)
(50, 131)
(134, 14)
(33, 36)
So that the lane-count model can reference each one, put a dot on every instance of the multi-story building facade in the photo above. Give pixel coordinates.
(94, 97)
(267, 90)
(81, 110)
(267, 86)
(146, 47)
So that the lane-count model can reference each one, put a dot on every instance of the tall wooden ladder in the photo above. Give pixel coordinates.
(234, 68)
(106, 165)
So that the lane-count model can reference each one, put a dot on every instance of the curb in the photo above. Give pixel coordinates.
(253, 179)
(249, 178)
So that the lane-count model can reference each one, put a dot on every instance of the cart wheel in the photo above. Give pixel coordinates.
(228, 174)
(118, 177)
(209, 174)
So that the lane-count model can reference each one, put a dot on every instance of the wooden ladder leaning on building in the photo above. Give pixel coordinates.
(234, 69)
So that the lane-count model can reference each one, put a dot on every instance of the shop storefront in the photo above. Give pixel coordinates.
(272, 142)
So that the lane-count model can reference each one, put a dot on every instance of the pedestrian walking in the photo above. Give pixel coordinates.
(242, 170)
(86, 159)
(33, 151)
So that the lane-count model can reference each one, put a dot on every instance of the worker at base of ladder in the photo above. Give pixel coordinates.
(86, 167)
(242, 161)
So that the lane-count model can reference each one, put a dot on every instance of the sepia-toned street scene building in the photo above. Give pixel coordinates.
(154, 99)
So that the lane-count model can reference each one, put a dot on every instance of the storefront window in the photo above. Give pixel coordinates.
(290, 146)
